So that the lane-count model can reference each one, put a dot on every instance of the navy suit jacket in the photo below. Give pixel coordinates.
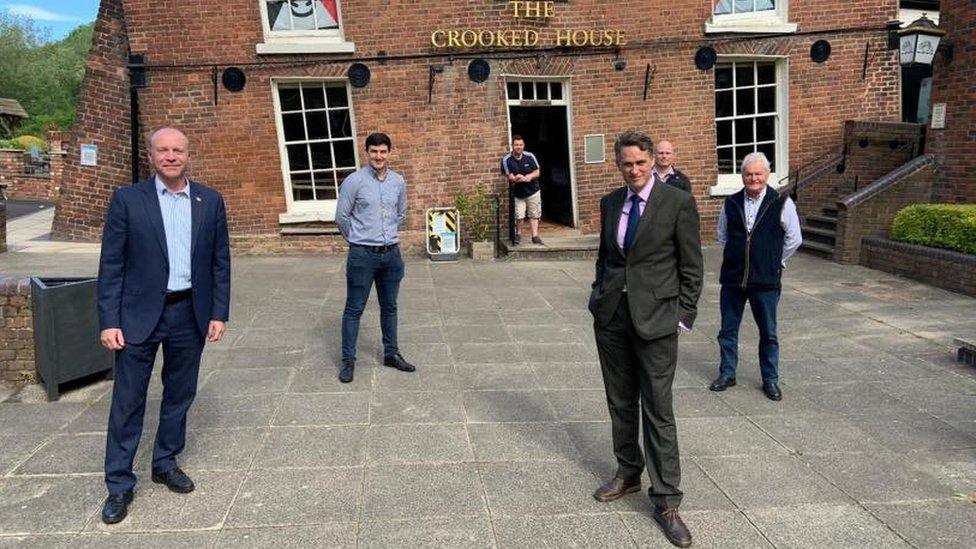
(134, 266)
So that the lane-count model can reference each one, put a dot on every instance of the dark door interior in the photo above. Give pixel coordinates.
(545, 132)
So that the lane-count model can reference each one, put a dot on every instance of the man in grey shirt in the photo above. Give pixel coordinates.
(372, 207)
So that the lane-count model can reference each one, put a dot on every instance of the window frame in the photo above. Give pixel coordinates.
(302, 41)
(727, 184)
(301, 211)
(772, 21)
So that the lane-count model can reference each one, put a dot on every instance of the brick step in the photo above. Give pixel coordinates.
(555, 247)
(830, 211)
(821, 221)
(820, 235)
(818, 248)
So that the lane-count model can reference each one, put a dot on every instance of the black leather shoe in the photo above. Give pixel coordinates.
(345, 371)
(174, 479)
(116, 507)
(616, 488)
(771, 388)
(722, 383)
(672, 526)
(397, 361)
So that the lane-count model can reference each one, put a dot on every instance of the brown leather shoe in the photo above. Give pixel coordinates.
(616, 488)
(673, 527)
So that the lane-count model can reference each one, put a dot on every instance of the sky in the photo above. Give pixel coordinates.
(58, 17)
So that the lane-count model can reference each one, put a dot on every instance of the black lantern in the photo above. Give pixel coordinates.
(919, 42)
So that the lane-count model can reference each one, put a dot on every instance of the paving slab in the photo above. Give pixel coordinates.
(312, 446)
(471, 532)
(297, 497)
(56, 504)
(417, 443)
(539, 488)
(417, 491)
(521, 442)
(322, 409)
(603, 530)
(818, 526)
(937, 524)
(336, 535)
(879, 477)
(713, 529)
(770, 481)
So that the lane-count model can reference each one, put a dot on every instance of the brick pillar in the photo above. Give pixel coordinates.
(102, 120)
(16, 330)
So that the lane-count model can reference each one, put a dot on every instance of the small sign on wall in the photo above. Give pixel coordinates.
(89, 155)
(938, 116)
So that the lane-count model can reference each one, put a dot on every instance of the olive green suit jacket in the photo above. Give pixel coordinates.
(662, 273)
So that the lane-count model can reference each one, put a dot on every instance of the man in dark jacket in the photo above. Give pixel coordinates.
(648, 279)
(664, 170)
(760, 231)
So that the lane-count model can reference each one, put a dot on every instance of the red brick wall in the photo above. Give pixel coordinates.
(16, 330)
(954, 83)
(102, 119)
(456, 141)
(943, 268)
(31, 186)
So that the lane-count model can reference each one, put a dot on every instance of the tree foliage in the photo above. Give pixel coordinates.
(45, 77)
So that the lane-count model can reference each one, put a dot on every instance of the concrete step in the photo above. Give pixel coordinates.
(821, 221)
(819, 235)
(830, 211)
(818, 248)
(554, 247)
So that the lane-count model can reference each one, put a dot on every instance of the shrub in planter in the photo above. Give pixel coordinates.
(477, 215)
(948, 226)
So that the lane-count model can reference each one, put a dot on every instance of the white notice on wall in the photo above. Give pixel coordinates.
(938, 116)
(89, 155)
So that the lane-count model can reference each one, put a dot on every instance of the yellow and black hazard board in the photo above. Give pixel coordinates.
(443, 234)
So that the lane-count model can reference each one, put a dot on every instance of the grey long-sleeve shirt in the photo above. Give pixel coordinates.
(371, 211)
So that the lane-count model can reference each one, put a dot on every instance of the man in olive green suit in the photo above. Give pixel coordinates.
(648, 279)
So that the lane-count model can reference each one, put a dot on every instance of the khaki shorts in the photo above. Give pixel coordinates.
(531, 204)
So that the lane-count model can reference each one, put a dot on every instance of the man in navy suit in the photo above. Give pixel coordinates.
(163, 278)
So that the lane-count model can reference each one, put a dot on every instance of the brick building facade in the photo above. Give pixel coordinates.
(277, 149)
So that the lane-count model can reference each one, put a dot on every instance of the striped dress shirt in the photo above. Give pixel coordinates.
(177, 223)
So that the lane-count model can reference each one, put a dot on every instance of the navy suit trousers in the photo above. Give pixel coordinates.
(182, 343)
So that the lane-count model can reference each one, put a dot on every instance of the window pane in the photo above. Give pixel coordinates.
(317, 128)
(513, 90)
(724, 130)
(723, 104)
(294, 126)
(723, 77)
(301, 186)
(767, 73)
(345, 154)
(743, 130)
(290, 100)
(743, 6)
(277, 17)
(770, 151)
(725, 162)
(767, 99)
(323, 19)
(541, 90)
(745, 101)
(763, 5)
(339, 124)
(723, 7)
(556, 89)
(314, 96)
(297, 157)
(325, 188)
(766, 128)
(740, 155)
(744, 75)
(337, 96)
(528, 90)
(341, 175)
(321, 155)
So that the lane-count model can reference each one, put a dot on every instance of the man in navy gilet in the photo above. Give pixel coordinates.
(759, 230)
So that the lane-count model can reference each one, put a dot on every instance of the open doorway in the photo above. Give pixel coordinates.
(539, 113)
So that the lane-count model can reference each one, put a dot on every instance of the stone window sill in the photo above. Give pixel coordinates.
(309, 216)
(757, 25)
(278, 47)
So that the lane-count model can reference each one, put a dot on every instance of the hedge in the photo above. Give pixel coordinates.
(948, 226)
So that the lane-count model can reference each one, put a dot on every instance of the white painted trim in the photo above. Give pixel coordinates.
(772, 21)
(303, 211)
(293, 47)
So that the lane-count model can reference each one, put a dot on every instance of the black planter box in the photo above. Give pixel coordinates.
(66, 343)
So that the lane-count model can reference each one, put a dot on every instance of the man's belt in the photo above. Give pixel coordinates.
(179, 295)
(376, 249)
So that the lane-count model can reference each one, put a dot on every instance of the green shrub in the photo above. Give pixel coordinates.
(948, 226)
(25, 142)
(477, 213)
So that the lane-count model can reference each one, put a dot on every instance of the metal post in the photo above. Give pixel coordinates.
(134, 131)
(511, 214)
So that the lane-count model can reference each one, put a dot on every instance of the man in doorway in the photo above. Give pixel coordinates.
(760, 230)
(648, 279)
(163, 279)
(522, 170)
(664, 170)
(372, 208)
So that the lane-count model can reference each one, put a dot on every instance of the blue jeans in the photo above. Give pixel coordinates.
(763, 303)
(364, 267)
